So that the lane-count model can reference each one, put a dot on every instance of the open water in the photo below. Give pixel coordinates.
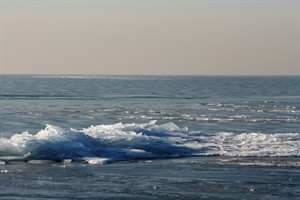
(149, 137)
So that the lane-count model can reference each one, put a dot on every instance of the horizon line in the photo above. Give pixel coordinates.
(192, 75)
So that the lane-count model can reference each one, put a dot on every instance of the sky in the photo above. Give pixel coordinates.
(150, 37)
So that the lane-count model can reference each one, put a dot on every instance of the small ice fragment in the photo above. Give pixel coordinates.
(39, 161)
(4, 171)
(2, 162)
(154, 187)
(67, 161)
(96, 160)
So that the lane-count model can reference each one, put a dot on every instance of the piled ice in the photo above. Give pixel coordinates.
(102, 144)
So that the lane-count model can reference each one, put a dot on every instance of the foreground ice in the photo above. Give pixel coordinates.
(103, 144)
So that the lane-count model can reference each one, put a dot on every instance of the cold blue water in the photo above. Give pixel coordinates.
(149, 137)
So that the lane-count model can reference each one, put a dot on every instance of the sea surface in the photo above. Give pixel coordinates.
(149, 137)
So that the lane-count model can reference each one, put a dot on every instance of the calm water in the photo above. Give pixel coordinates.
(149, 137)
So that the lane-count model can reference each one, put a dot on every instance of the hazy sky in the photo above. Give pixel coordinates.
(189, 37)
